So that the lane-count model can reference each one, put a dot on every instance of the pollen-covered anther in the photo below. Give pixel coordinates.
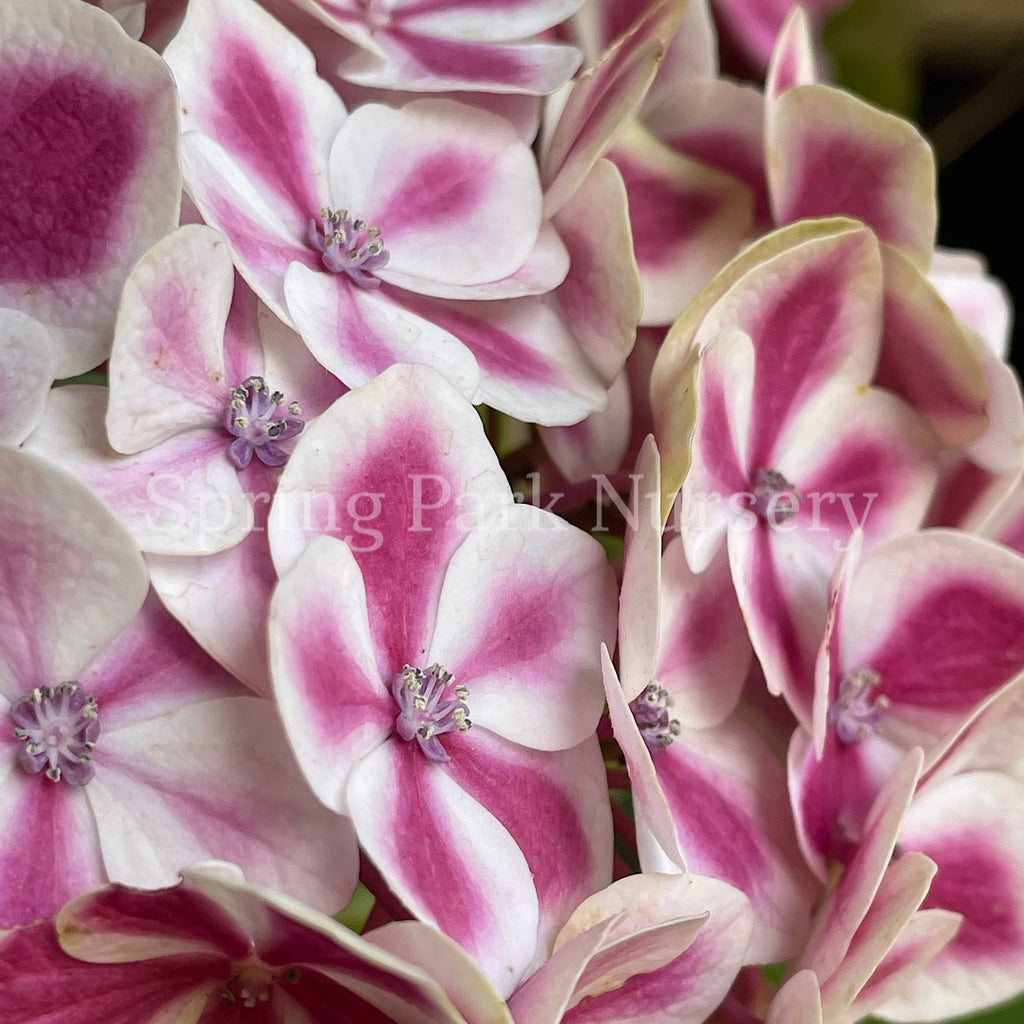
(59, 727)
(776, 500)
(348, 245)
(429, 706)
(853, 713)
(258, 419)
(651, 711)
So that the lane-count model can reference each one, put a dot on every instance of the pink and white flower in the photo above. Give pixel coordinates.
(417, 600)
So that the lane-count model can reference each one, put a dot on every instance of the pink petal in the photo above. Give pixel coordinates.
(602, 99)
(216, 779)
(28, 365)
(387, 483)
(334, 705)
(48, 849)
(447, 858)
(831, 153)
(167, 369)
(927, 356)
(452, 188)
(688, 220)
(793, 58)
(531, 366)
(357, 333)
(797, 1002)
(600, 298)
(70, 578)
(149, 668)
(477, 19)
(182, 497)
(526, 603)
(941, 621)
(39, 982)
(83, 200)
(250, 85)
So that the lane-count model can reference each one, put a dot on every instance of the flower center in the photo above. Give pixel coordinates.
(854, 714)
(59, 727)
(251, 981)
(258, 419)
(650, 710)
(348, 245)
(775, 498)
(430, 707)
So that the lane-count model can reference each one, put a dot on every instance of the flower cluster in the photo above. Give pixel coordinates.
(677, 681)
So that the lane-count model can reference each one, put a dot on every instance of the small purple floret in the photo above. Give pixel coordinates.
(348, 245)
(259, 420)
(854, 714)
(650, 710)
(775, 498)
(426, 713)
(59, 727)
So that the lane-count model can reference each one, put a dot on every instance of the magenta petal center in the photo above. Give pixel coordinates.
(251, 983)
(259, 421)
(854, 714)
(348, 245)
(59, 728)
(430, 706)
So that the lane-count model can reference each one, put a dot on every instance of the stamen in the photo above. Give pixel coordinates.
(349, 246)
(426, 713)
(265, 423)
(251, 982)
(59, 727)
(853, 713)
(650, 710)
(775, 498)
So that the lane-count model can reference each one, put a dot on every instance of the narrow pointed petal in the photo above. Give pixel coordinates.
(84, 199)
(831, 153)
(251, 85)
(167, 369)
(797, 1002)
(28, 365)
(402, 491)
(793, 59)
(684, 988)
(447, 858)
(601, 100)
(526, 604)
(334, 706)
(70, 578)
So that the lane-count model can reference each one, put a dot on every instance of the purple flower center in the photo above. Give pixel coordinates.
(430, 706)
(854, 714)
(348, 245)
(650, 710)
(251, 982)
(258, 419)
(59, 727)
(775, 498)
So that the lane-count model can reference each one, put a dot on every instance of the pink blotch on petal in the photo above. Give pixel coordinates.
(67, 152)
